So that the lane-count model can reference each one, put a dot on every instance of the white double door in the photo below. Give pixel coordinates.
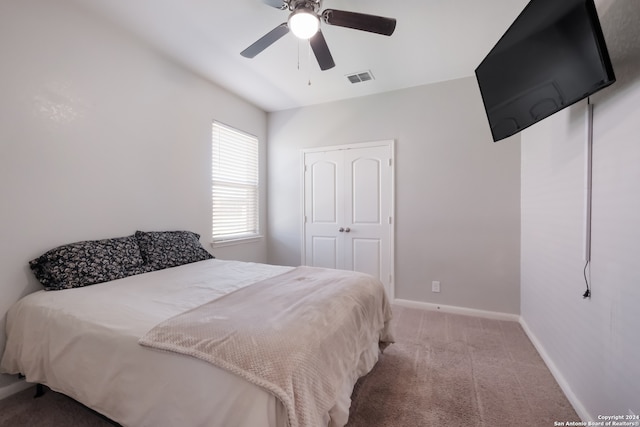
(348, 209)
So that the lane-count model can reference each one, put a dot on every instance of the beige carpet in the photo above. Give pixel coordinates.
(445, 370)
(453, 370)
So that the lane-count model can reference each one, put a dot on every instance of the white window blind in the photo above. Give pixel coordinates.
(234, 174)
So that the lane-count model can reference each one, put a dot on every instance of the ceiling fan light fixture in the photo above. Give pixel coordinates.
(303, 23)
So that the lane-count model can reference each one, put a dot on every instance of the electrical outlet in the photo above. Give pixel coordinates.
(435, 286)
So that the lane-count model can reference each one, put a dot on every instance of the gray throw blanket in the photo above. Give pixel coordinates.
(297, 335)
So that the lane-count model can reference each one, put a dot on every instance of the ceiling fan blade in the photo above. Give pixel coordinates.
(360, 21)
(265, 41)
(321, 51)
(278, 4)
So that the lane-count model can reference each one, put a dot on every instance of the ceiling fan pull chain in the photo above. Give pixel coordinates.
(309, 63)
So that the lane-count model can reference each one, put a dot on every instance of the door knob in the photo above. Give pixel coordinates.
(347, 229)
(341, 229)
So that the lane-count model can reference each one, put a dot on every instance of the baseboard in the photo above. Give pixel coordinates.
(13, 388)
(564, 385)
(457, 310)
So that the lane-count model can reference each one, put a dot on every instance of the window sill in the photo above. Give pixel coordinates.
(232, 242)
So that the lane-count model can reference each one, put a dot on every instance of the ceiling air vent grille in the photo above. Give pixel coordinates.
(360, 77)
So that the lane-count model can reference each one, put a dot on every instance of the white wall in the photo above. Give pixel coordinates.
(457, 193)
(99, 136)
(591, 344)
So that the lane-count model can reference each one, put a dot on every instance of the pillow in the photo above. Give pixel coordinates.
(88, 262)
(164, 249)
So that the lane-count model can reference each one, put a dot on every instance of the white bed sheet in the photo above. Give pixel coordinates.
(84, 343)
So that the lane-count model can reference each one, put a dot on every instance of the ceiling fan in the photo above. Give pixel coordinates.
(304, 23)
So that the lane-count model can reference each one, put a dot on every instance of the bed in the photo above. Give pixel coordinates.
(87, 342)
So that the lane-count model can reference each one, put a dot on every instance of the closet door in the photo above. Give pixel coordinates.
(348, 209)
(324, 207)
(367, 211)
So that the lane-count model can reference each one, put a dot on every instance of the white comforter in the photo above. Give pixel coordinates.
(84, 343)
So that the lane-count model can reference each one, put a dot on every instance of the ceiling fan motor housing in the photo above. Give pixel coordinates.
(313, 6)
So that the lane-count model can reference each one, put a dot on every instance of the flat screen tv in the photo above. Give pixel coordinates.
(552, 56)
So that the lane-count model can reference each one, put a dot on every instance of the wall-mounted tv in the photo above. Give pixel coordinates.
(552, 56)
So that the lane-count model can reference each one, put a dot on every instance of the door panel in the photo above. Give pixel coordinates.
(367, 256)
(324, 252)
(365, 180)
(324, 203)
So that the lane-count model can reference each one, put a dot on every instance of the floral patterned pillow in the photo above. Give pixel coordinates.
(88, 262)
(164, 249)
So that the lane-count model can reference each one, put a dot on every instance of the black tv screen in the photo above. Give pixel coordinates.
(552, 56)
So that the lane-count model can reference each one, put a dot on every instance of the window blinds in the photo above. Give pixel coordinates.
(234, 176)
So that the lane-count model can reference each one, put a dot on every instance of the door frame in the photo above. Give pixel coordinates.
(381, 143)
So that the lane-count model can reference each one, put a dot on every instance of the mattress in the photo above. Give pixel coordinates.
(83, 342)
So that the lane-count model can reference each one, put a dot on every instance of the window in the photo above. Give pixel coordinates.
(234, 183)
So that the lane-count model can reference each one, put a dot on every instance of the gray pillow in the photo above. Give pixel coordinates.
(164, 249)
(88, 262)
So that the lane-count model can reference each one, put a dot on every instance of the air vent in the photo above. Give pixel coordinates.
(360, 77)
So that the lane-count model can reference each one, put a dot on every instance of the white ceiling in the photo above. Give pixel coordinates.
(435, 40)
